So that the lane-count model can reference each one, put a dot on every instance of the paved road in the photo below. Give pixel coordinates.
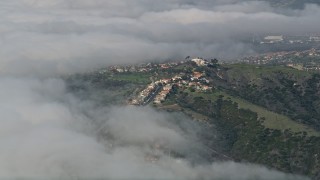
(151, 97)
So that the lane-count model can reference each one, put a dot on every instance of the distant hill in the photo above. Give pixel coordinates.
(292, 3)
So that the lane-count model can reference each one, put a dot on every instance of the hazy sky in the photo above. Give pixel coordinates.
(55, 36)
(47, 132)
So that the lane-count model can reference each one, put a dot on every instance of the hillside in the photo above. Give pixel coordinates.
(261, 114)
(284, 90)
(254, 135)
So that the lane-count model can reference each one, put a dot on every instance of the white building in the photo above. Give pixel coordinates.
(199, 62)
(315, 38)
(273, 39)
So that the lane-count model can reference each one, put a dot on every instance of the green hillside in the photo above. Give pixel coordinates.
(283, 90)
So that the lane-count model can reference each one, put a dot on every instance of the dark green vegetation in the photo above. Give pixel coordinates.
(287, 91)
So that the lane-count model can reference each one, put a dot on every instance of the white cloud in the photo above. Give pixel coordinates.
(66, 36)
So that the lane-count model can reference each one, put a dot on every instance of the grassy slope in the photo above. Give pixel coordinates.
(272, 120)
(273, 87)
(255, 71)
(140, 78)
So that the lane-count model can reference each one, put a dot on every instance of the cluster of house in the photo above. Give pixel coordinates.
(168, 64)
(146, 94)
(265, 58)
(147, 67)
(280, 57)
(197, 81)
(144, 67)
(158, 91)
(298, 39)
(200, 87)
(122, 69)
(162, 95)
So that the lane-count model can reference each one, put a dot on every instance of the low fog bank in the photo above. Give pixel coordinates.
(46, 132)
(67, 36)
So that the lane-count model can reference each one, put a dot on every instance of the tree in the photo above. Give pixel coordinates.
(214, 61)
